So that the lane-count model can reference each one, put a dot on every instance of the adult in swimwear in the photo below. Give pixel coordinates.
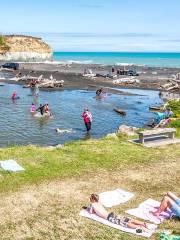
(171, 201)
(97, 208)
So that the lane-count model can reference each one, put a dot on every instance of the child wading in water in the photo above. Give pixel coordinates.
(33, 108)
(97, 208)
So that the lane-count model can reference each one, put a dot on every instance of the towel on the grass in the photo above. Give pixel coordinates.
(85, 213)
(144, 209)
(115, 197)
(11, 165)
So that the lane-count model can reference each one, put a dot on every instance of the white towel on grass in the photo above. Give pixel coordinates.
(85, 213)
(11, 165)
(144, 209)
(115, 197)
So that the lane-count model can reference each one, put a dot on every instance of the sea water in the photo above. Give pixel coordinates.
(120, 58)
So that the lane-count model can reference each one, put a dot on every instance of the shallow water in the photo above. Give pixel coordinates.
(18, 126)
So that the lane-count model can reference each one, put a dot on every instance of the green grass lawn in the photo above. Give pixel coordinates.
(59, 181)
(74, 159)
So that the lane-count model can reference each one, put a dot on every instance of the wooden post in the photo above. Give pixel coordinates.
(141, 138)
(171, 135)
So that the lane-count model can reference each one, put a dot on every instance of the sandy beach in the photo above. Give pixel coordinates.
(149, 77)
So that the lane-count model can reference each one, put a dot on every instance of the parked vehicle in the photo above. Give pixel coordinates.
(14, 66)
(129, 72)
(132, 73)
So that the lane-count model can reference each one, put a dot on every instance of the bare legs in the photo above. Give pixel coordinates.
(167, 201)
(135, 223)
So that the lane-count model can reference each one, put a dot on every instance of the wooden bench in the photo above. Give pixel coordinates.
(169, 132)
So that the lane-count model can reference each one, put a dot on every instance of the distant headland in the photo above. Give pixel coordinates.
(23, 48)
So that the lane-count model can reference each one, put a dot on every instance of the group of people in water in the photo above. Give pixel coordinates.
(161, 119)
(43, 109)
(169, 202)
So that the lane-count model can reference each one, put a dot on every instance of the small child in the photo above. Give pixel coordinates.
(97, 208)
(14, 95)
(33, 108)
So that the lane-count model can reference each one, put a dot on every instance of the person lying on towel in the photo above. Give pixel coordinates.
(97, 208)
(171, 201)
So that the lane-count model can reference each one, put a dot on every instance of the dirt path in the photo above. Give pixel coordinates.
(50, 210)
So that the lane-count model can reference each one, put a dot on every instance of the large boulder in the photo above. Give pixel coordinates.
(112, 135)
(128, 130)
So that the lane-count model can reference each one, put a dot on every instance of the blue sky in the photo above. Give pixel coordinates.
(96, 25)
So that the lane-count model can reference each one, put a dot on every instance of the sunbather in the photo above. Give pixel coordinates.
(97, 208)
(163, 123)
(170, 201)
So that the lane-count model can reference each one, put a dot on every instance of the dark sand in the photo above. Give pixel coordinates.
(150, 78)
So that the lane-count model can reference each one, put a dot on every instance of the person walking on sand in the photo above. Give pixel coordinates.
(87, 116)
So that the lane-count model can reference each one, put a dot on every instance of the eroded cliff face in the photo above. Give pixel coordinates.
(25, 48)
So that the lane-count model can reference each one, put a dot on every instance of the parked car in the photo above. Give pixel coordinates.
(14, 66)
(132, 73)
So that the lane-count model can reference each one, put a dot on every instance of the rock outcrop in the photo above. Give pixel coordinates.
(24, 48)
(127, 130)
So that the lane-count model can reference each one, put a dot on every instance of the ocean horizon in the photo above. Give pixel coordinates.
(152, 59)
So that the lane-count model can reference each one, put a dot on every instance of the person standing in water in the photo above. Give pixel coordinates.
(41, 109)
(36, 90)
(87, 116)
(99, 92)
(14, 95)
(46, 108)
(33, 108)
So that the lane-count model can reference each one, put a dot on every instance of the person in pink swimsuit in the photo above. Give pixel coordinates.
(14, 95)
(33, 108)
